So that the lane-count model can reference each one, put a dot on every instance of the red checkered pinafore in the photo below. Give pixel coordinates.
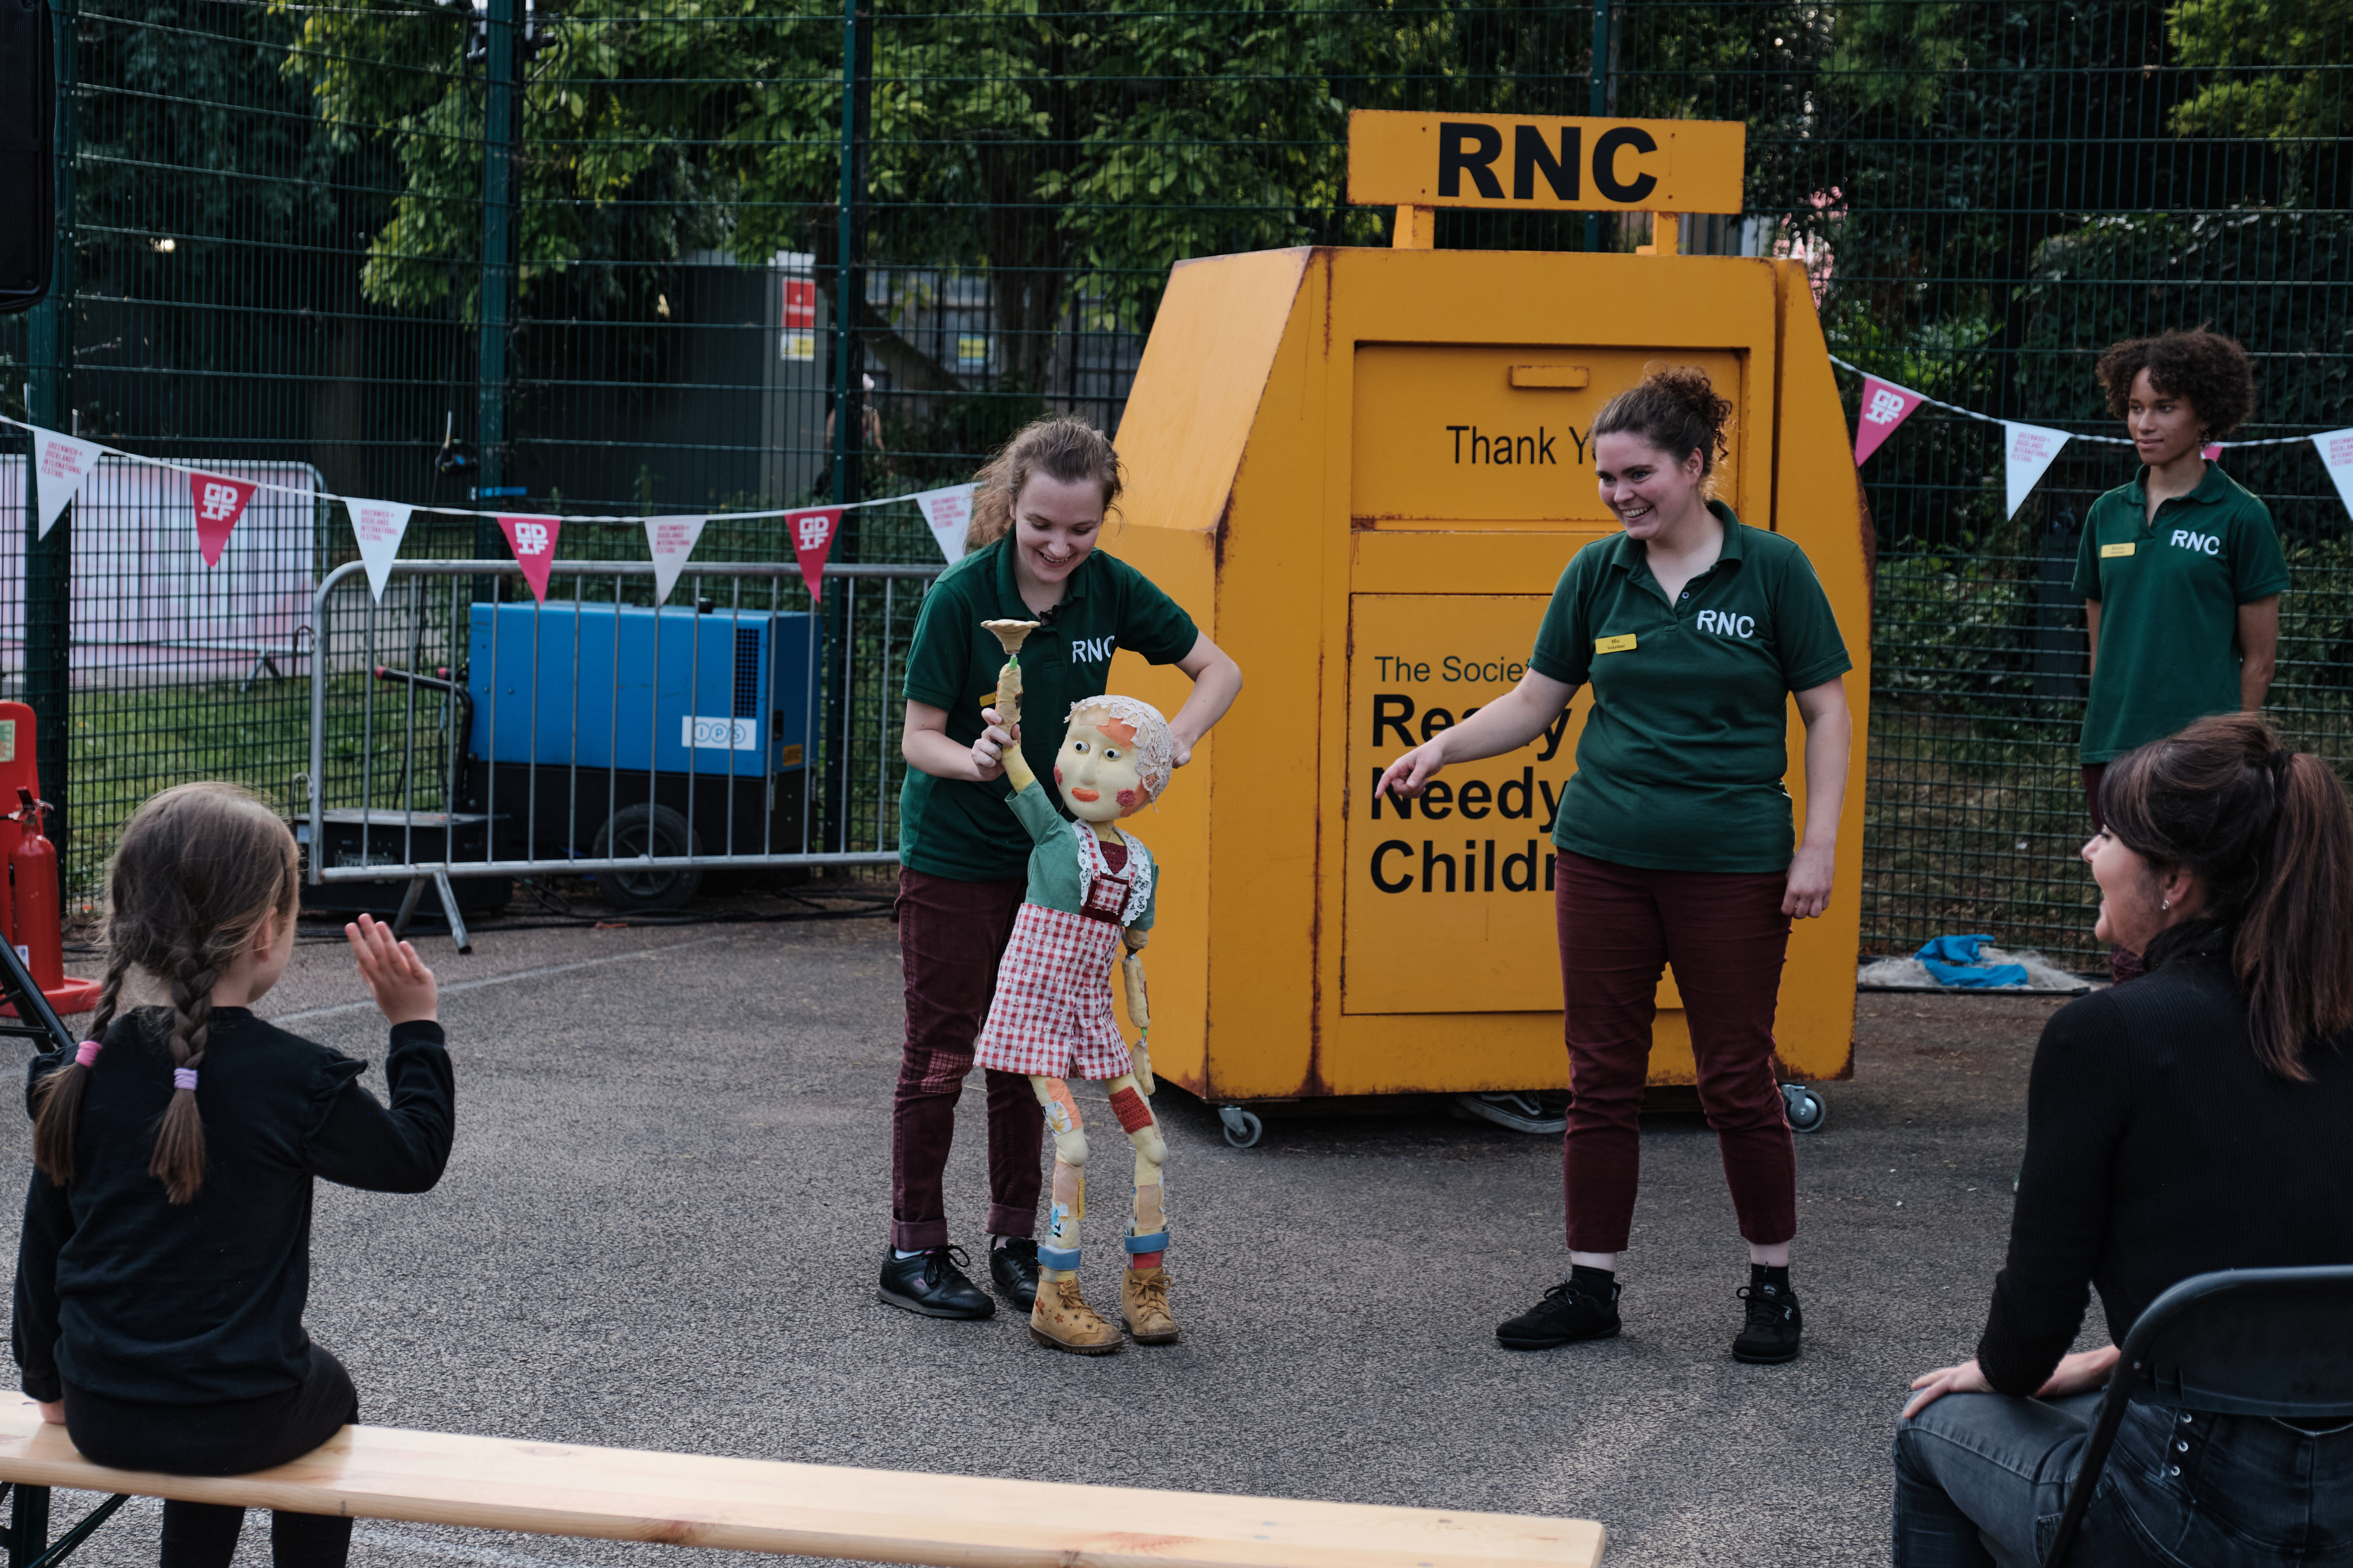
(1052, 1014)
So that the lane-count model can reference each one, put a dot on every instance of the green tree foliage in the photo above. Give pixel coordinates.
(2288, 86)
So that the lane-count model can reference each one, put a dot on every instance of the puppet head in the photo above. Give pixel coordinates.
(1116, 759)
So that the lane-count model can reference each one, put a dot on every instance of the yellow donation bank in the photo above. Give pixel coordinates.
(1362, 471)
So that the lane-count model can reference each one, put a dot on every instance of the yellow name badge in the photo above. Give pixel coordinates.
(2109, 552)
(1614, 645)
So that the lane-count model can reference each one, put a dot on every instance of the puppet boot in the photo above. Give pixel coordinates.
(1143, 1303)
(1062, 1320)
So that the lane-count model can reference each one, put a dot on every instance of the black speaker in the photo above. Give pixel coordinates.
(28, 194)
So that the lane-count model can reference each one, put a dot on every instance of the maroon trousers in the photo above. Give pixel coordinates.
(951, 935)
(1726, 936)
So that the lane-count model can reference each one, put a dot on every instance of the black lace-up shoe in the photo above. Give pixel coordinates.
(1571, 1311)
(933, 1284)
(1774, 1324)
(1014, 1266)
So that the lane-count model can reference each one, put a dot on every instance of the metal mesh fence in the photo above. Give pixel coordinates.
(594, 255)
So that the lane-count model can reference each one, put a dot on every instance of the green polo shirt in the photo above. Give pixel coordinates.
(967, 831)
(1680, 763)
(2169, 588)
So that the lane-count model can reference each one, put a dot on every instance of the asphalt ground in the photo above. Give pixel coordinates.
(662, 1222)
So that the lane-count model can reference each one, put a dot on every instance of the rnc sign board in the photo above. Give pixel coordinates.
(1503, 161)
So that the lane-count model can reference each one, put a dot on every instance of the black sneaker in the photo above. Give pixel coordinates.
(1774, 1326)
(1014, 1266)
(1571, 1310)
(933, 1284)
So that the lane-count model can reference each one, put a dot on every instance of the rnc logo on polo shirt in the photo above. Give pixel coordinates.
(1724, 623)
(1091, 650)
(2204, 543)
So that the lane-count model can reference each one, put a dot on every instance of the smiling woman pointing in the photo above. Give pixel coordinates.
(1675, 837)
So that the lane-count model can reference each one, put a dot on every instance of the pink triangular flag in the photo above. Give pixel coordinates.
(60, 463)
(672, 540)
(1885, 407)
(219, 502)
(380, 525)
(2210, 451)
(812, 534)
(948, 513)
(533, 539)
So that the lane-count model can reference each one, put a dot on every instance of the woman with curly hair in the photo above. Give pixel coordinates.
(2181, 570)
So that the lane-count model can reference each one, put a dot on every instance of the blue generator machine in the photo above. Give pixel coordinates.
(605, 731)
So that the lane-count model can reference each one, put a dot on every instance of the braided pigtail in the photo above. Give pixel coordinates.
(56, 1103)
(199, 871)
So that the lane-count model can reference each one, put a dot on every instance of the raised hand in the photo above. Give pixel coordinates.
(404, 989)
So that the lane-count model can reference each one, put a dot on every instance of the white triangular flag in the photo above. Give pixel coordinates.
(60, 463)
(672, 540)
(2336, 448)
(2029, 450)
(949, 513)
(379, 525)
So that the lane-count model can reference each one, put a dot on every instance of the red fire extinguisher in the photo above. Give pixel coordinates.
(33, 893)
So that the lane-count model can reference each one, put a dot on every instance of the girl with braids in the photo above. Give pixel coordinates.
(165, 1255)
(1695, 632)
(2190, 1122)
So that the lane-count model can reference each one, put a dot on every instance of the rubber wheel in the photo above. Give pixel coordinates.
(646, 829)
(1806, 1108)
(1243, 1129)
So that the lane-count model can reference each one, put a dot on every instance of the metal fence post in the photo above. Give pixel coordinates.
(498, 255)
(849, 403)
(1597, 85)
(49, 563)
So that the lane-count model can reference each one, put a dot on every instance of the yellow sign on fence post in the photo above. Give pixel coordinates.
(1363, 472)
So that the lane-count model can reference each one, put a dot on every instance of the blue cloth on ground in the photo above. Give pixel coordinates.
(1954, 960)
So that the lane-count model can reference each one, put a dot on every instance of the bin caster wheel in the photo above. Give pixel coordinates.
(1242, 1127)
(1806, 1110)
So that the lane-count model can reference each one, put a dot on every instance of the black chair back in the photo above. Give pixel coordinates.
(2242, 1342)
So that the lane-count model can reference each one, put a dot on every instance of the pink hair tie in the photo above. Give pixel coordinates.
(86, 1054)
(185, 1077)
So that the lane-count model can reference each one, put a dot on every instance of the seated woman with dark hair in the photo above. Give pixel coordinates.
(2201, 1118)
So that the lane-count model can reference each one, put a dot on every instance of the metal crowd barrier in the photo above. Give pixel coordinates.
(461, 736)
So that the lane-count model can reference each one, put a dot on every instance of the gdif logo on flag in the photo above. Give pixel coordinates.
(219, 503)
(812, 536)
(533, 539)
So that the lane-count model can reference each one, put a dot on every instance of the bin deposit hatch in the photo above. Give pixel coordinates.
(1363, 472)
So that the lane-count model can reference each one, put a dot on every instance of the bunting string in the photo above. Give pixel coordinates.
(61, 463)
(2029, 450)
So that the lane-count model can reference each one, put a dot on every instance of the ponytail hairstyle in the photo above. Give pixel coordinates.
(2268, 831)
(1064, 448)
(1675, 408)
(198, 868)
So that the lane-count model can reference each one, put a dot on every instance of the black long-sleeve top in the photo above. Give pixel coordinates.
(2158, 1147)
(124, 1294)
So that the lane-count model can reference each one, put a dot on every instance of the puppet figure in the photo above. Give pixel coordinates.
(1089, 896)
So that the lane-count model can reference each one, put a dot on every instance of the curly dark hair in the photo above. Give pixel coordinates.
(2207, 369)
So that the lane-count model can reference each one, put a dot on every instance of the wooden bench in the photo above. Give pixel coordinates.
(818, 1510)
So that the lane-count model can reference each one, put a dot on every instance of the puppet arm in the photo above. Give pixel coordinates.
(1139, 1009)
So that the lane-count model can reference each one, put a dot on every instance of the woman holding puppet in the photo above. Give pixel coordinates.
(1674, 834)
(964, 853)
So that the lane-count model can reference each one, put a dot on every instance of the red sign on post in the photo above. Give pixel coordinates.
(219, 502)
